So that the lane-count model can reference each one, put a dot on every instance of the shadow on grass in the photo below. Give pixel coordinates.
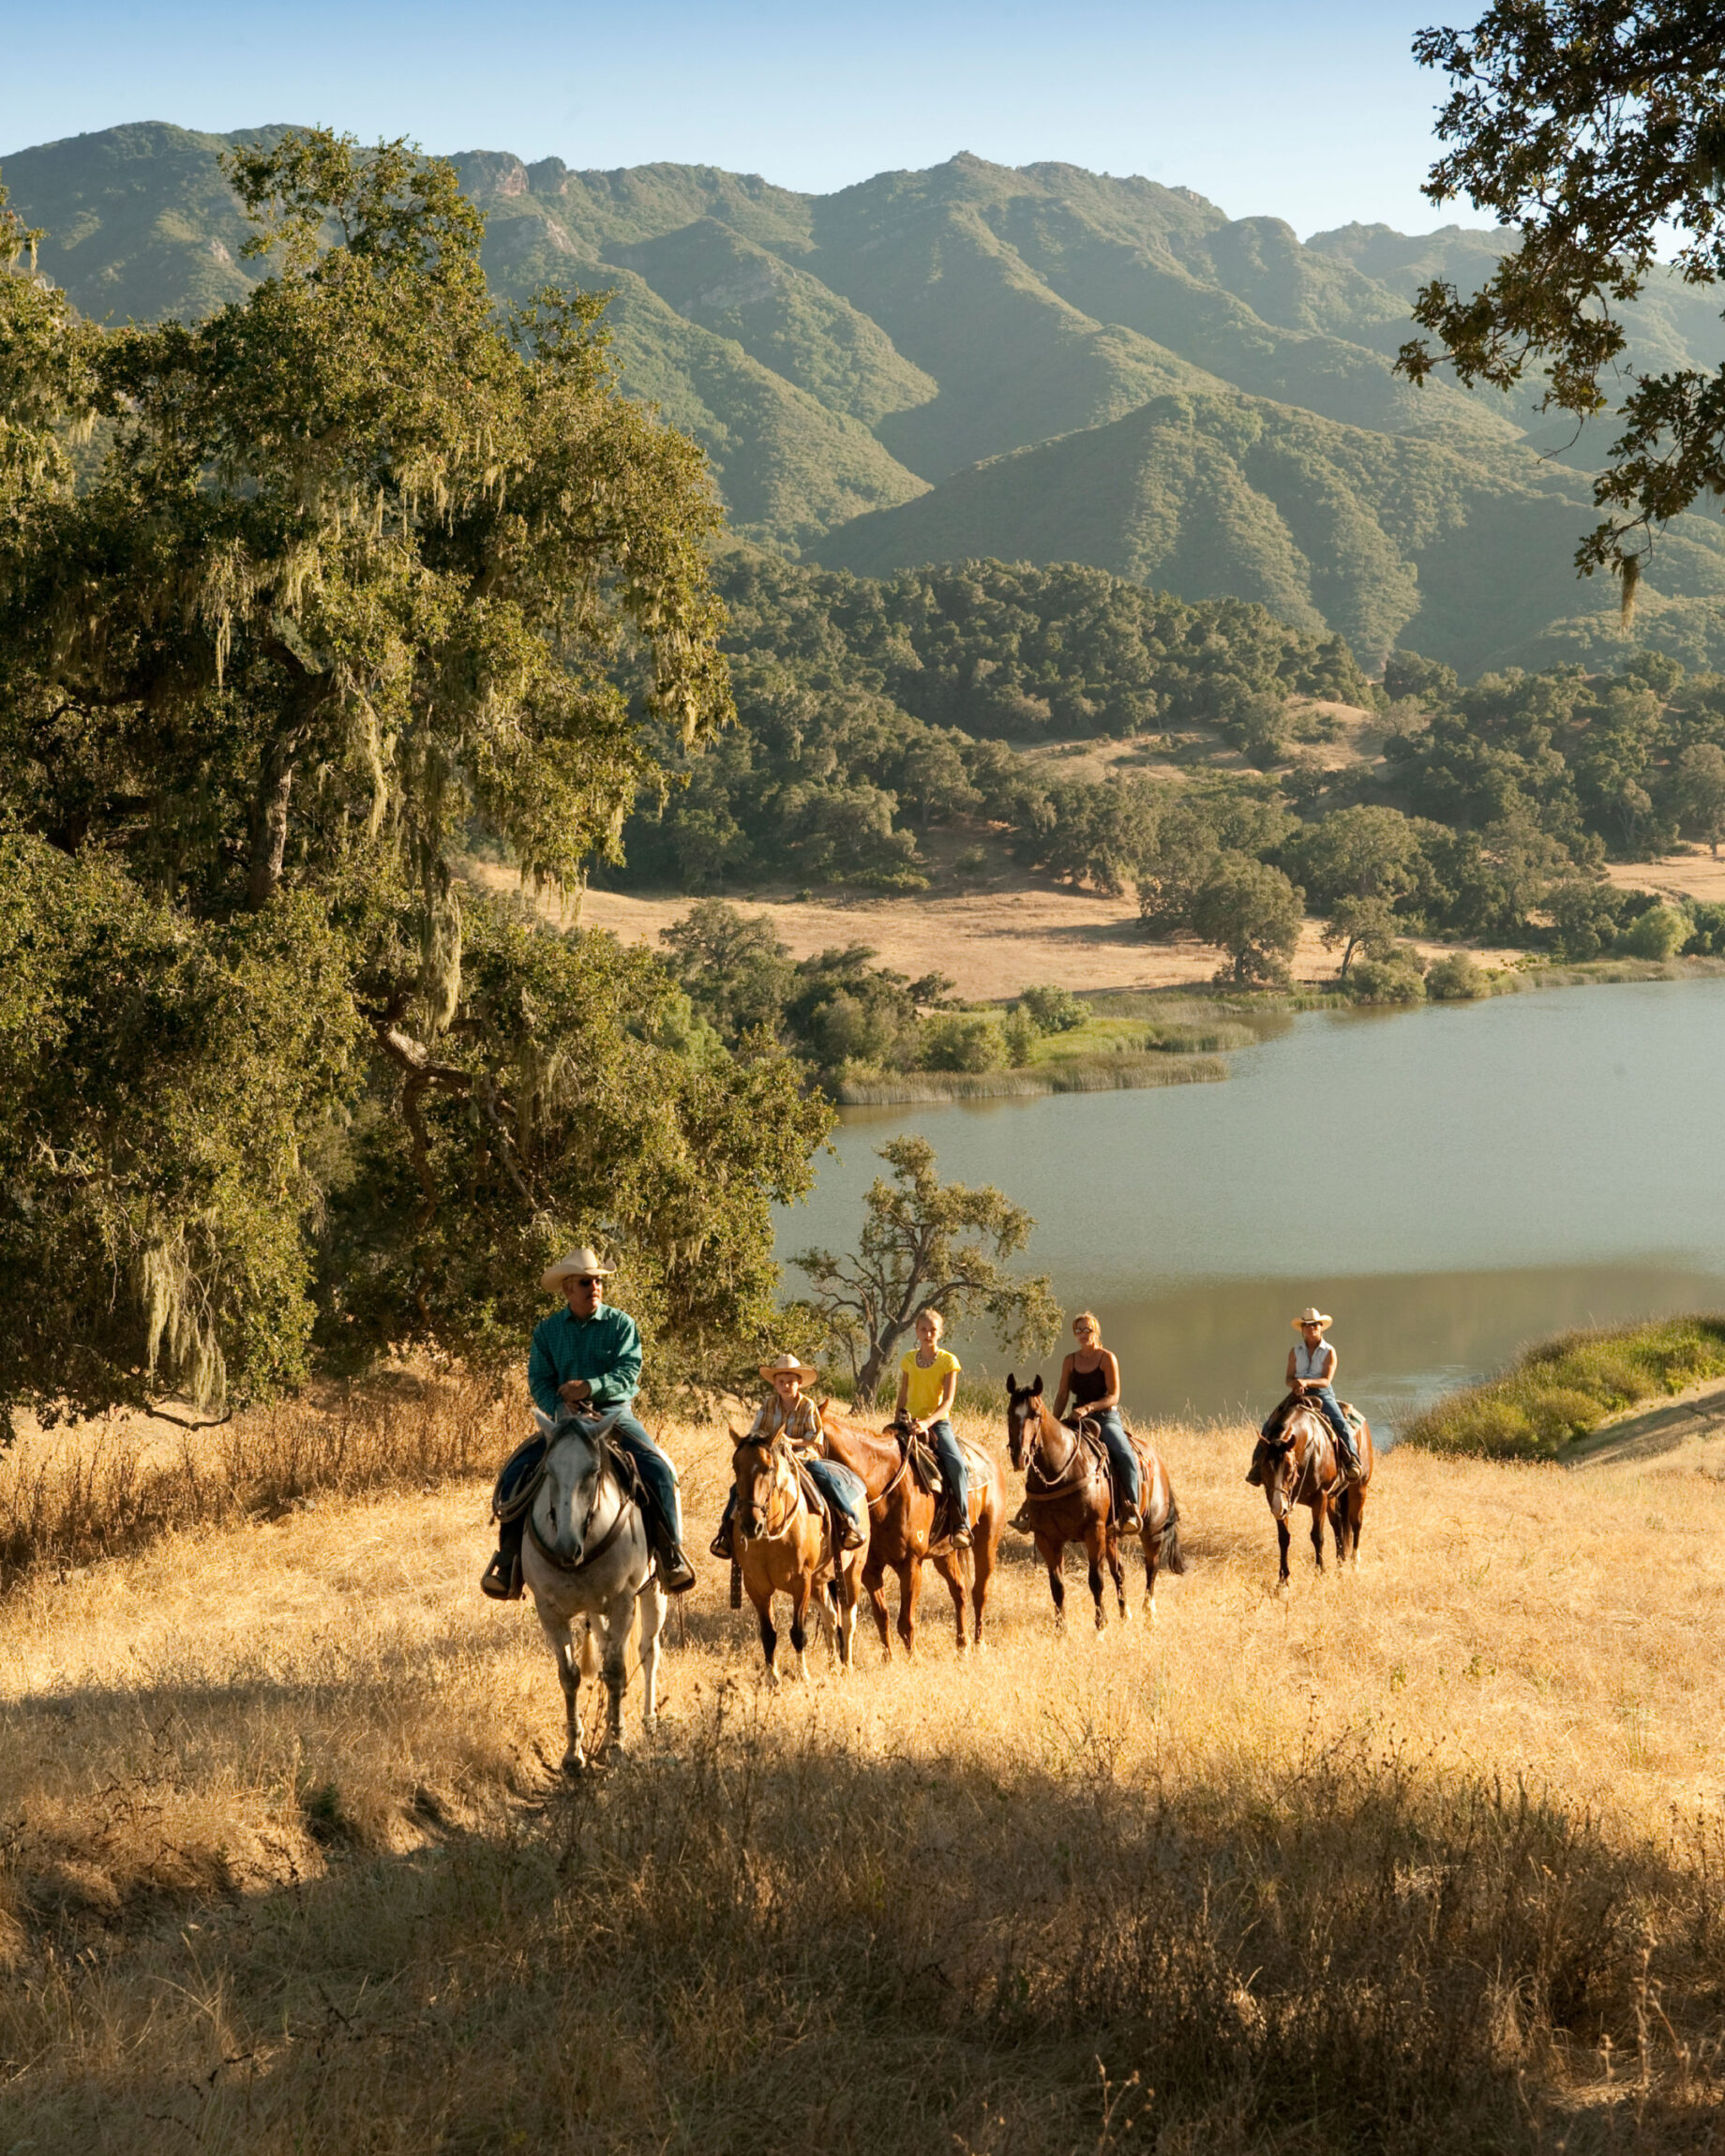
(758, 1941)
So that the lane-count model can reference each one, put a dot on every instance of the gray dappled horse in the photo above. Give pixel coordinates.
(588, 1563)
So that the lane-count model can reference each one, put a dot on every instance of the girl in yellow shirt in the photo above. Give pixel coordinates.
(928, 1382)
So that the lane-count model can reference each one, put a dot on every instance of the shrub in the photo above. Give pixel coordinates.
(1397, 977)
(1456, 979)
(962, 1040)
(1019, 1032)
(1659, 932)
(1052, 1009)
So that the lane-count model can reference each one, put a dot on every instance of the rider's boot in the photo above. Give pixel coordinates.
(721, 1544)
(1128, 1518)
(1022, 1518)
(961, 1525)
(676, 1574)
(501, 1579)
(844, 1535)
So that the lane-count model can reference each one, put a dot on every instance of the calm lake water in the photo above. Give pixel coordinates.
(1451, 1182)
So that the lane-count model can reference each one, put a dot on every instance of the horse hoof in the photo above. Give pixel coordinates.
(1125, 1613)
(574, 1767)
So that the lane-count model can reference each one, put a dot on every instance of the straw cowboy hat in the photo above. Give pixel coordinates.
(582, 1260)
(782, 1364)
(1311, 1315)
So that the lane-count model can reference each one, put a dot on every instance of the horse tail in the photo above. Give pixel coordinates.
(590, 1651)
(1168, 1550)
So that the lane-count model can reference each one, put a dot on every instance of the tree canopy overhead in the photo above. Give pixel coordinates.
(1597, 128)
(362, 557)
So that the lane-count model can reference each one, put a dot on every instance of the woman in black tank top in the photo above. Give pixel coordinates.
(1090, 1380)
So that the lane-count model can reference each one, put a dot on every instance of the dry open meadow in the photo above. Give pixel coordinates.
(1428, 1856)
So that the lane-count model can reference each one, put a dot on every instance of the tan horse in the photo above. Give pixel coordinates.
(1298, 1466)
(1067, 1492)
(901, 1521)
(784, 1547)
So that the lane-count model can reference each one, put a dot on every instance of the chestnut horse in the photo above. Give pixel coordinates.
(784, 1546)
(901, 1520)
(1069, 1498)
(1298, 1466)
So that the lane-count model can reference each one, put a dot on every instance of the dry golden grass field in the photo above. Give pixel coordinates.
(1425, 1856)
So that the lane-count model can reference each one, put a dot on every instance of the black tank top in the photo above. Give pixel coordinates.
(1088, 1384)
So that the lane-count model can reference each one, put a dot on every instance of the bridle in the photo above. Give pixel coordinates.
(625, 1506)
(784, 1474)
(1281, 1446)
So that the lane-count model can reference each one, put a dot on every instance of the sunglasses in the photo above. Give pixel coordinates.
(581, 1279)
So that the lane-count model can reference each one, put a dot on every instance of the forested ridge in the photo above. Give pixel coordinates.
(1043, 365)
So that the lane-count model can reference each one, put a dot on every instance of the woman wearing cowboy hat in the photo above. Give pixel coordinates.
(587, 1359)
(787, 1409)
(1312, 1375)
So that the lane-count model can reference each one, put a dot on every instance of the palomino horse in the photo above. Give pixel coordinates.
(901, 1520)
(1298, 1466)
(587, 1561)
(1067, 1492)
(784, 1546)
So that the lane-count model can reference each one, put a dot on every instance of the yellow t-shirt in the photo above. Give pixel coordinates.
(926, 1386)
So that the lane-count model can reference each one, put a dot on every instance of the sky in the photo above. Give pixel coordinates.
(1317, 114)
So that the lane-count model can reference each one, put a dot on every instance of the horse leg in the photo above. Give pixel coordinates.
(874, 1580)
(1357, 1503)
(982, 1556)
(850, 1588)
(1052, 1555)
(910, 1595)
(762, 1599)
(617, 1619)
(1319, 1512)
(1095, 1542)
(1148, 1542)
(1111, 1550)
(950, 1571)
(561, 1641)
(798, 1621)
(652, 1602)
(1281, 1538)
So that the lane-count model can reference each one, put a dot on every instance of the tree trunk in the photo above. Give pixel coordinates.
(269, 829)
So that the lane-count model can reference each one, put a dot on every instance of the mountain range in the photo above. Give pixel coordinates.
(1036, 365)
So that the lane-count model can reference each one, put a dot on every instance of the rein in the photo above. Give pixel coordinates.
(780, 1457)
(1052, 1489)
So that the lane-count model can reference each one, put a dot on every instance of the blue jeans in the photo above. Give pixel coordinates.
(842, 1490)
(1128, 1477)
(953, 1472)
(657, 1474)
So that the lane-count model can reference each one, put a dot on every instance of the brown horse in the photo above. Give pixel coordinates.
(901, 1525)
(1067, 1493)
(1298, 1466)
(784, 1546)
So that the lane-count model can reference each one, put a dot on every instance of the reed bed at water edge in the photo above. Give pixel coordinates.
(1106, 1073)
(1424, 1857)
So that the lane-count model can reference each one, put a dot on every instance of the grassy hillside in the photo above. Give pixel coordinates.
(1423, 1856)
(1081, 368)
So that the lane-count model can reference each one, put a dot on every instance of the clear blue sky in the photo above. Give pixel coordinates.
(1316, 113)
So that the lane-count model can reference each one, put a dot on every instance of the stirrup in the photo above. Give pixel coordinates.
(676, 1574)
(1131, 1520)
(501, 1579)
(721, 1544)
(1022, 1520)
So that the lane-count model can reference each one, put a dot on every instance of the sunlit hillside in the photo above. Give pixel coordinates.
(1424, 1855)
(1040, 364)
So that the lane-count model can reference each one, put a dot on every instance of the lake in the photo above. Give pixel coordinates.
(1451, 1182)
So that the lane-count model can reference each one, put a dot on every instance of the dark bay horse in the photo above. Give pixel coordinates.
(901, 1520)
(1070, 1501)
(1298, 1466)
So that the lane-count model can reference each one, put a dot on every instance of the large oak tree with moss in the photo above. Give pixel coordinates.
(1596, 127)
(355, 563)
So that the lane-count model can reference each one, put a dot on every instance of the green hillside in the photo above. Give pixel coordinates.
(1041, 365)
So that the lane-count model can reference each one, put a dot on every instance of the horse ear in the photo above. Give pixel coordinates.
(1036, 1390)
(1012, 1382)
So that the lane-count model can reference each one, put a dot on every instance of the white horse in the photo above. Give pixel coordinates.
(588, 1562)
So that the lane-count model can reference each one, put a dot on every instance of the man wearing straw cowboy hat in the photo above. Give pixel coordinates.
(1312, 1375)
(788, 1409)
(588, 1358)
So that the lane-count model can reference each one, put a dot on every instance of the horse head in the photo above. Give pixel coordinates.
(1024, 1406)
(754, 1467)
(573, 1472)
(1279, 1463)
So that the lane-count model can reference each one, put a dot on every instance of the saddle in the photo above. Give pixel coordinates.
(519, 1477)
(925, 1465)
